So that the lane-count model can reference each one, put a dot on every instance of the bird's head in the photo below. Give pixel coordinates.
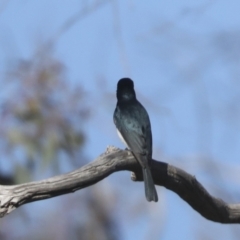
(125, 90)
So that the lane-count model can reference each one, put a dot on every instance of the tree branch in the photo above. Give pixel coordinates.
(113, 160)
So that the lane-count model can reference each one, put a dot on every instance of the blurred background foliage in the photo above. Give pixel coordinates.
(42, 134)
(42, 117)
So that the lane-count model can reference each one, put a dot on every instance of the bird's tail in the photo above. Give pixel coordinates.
(150, 190)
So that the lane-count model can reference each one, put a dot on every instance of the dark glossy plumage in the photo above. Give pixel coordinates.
(133, 125)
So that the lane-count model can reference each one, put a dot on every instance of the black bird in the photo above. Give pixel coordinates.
(134, 129)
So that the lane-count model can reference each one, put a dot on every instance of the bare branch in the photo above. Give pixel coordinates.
(113, 160)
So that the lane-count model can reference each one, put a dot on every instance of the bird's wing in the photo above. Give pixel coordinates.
(136, 139)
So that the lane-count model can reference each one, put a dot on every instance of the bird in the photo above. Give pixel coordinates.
(134, 129)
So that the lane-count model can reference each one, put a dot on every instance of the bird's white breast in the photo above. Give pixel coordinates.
(121, 137)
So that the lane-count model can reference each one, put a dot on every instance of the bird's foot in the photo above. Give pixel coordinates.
(128, 151)
(136, 176)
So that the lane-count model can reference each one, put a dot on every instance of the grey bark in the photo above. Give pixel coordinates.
(113, 160)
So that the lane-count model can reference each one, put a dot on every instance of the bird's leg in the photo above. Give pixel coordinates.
(129, 152)
(134, 176)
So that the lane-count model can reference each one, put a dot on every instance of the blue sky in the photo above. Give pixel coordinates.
(184, 57)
